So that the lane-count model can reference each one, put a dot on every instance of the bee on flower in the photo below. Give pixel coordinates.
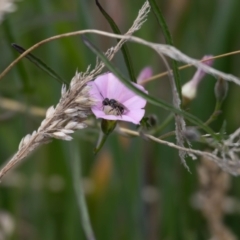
(114, 101)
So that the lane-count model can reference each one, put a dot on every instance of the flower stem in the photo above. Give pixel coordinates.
(102, 139)
(168, 119)
(107, 127)
(215, 113)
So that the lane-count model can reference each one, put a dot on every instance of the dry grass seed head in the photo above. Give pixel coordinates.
(74, 105)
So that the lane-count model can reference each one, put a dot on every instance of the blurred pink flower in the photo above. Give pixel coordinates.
(189, 89)
(114, 101)
(6, 6)
(144, 74)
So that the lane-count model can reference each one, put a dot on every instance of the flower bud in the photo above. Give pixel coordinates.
(221, 89)
(152, 120)
(108, 126)
(149, 121)
(191, 134)
(189, 89)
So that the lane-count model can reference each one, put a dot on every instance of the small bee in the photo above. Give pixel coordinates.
(116, 106)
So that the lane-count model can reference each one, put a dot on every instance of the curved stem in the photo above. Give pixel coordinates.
(215, 113)
(102, 139)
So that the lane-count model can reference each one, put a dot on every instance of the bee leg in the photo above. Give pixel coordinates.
(119, 113)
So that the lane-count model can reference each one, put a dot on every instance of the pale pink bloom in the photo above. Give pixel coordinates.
(6, 6)
(189, 89)
(144, 74)
(129, 106)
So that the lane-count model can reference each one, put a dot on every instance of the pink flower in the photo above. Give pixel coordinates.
(144, 74)
(114, 101)
(189, 89)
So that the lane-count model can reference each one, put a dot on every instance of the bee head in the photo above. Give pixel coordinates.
(106, 102)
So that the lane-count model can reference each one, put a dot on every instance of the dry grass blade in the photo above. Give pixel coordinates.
(228, 164)
(59, 121)
(180, 124)
(164, 49)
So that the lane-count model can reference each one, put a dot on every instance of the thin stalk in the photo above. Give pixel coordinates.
(102, 139)
(160, 75)
(215, 113)
(169, 41)
(78, 188)
(168, 119)
(124, 49)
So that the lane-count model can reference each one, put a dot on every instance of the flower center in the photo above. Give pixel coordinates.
(108, 110)
(113, 107)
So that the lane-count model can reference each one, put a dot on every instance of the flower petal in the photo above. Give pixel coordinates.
(95, 94)
(129, 93)
(108, 86)
(116, 89)
(135, 102)
(101, 83)
(144, 74)
(135, 115)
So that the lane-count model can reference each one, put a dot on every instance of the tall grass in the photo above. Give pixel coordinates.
(134, 188)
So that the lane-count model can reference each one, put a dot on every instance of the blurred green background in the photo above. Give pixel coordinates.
(135, 189)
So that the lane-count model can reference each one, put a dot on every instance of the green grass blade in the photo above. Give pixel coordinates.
(124, 48)
(169, 41)
(149, 98)
(39, 63)
(76, 168)
(20, 67)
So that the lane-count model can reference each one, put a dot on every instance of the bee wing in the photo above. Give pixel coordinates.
(120, 104)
